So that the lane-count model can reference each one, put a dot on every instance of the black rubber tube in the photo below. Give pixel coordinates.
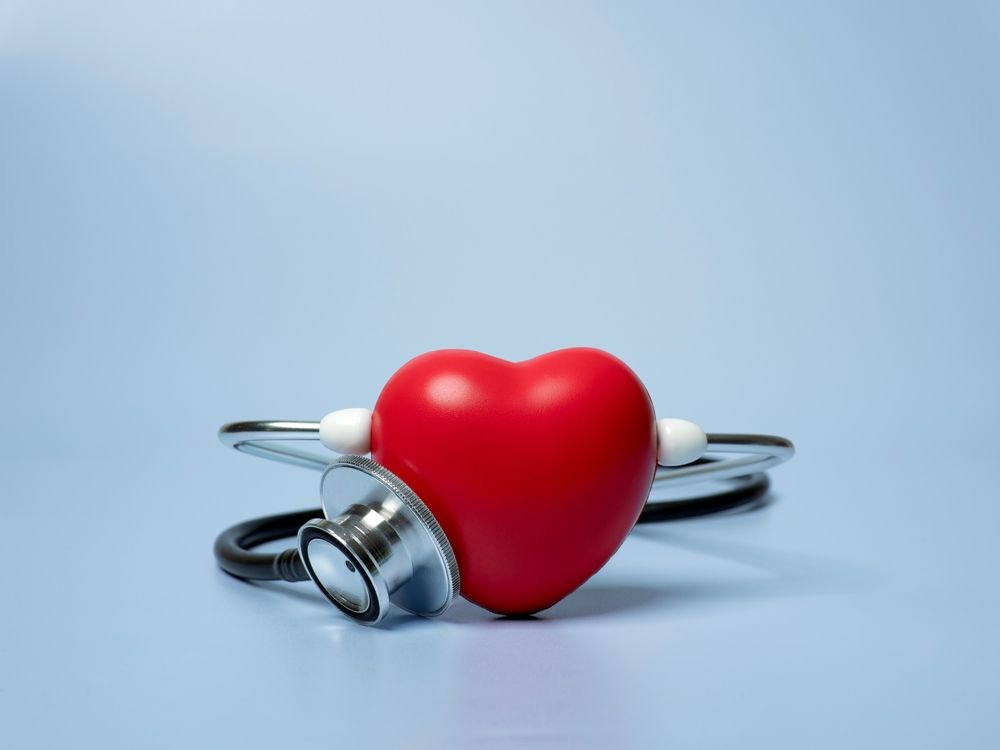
(233, 547)
(746, 496)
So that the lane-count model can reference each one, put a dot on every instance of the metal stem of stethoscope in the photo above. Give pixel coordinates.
(756, 453)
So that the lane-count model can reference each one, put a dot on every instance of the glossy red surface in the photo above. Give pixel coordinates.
(536, 470)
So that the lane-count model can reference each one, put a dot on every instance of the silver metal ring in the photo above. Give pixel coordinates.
(744, 454)
(378, 544)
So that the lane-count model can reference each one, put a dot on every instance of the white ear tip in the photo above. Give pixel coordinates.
(347, 431)
(679, 442)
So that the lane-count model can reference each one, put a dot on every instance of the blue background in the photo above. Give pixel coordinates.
(784, 217)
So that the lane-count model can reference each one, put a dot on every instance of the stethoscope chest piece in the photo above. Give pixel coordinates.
(378, 544)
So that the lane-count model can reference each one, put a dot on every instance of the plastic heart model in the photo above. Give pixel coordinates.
(509, 482)
(536, 470)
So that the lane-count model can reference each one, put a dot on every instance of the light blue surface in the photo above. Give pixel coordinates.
(784, 218)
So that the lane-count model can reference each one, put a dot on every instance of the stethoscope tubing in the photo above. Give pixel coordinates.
(746, 458)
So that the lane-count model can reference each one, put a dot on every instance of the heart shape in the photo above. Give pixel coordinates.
(536, 470)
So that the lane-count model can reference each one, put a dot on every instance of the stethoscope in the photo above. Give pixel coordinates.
(375, 542)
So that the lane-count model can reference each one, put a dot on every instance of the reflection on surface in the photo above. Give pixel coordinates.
(606, 667)
(531, 682)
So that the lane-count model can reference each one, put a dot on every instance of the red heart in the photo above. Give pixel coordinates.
(536, 470)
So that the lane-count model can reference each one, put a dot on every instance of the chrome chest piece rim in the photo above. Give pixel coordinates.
(378, 544)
